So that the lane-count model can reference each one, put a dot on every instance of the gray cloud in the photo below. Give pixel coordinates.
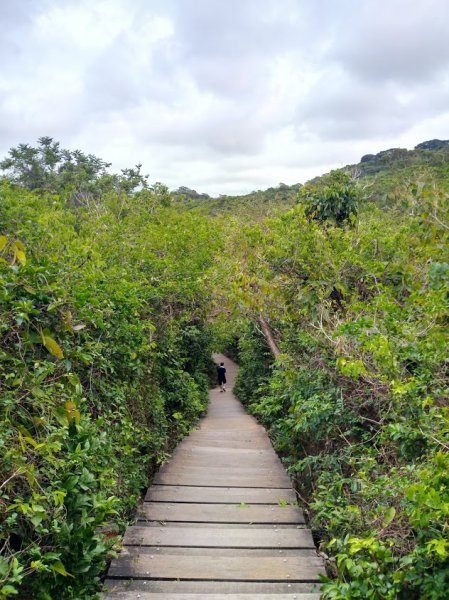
(396, 41)
(227, 95)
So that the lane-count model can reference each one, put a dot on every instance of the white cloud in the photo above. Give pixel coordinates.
(225, 96)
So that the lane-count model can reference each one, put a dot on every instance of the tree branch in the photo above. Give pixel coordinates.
(268, 335)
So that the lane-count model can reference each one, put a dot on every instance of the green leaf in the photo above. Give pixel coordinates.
(73, 415)
(58, 567)
(3, 242)
(52, 346)
(388, 516)
(36, 519)
(21, 257)
(4, 566)
(18, 245)
(439, 546)
(8, 590)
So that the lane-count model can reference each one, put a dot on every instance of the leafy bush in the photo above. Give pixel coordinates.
(333, 197)
(356, 403)
(104, 364)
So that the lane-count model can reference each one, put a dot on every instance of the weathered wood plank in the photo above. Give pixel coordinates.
(208, 588)
(124, 595)
(234, 444)
(233, 552)
(215, 452)
(257, 471)
(222, 462)
(220, 513)
(219, 538)
(220, 525)
(221, 480)
(257, 442)
(231, 568)
(222, 495)
(229, 441)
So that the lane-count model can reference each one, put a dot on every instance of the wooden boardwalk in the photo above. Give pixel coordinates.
(220, 521)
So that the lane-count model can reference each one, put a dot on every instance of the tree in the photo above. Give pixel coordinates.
(76, 176)
(34, 168)
(333, 197)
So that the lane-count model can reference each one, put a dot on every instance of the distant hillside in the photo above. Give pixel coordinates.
(388, 176)
(257, 202)
(384, 176)
(431, 153)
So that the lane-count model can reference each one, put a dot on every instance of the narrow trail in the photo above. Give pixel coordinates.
(220, 521)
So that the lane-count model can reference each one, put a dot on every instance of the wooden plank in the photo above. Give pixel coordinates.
(225, 462)
(231, 426)
(220, 513)
(243, 553)
(233, 568)
(216, 451)
(126, 595)
(250, 431)
(240, 444)
(236, 433)
(222, 480)
(221, 525)
(244, 435)
(203, 459)
(208, 587)
(236, 471)
(222, 495)
(219, 538)
(258, 441)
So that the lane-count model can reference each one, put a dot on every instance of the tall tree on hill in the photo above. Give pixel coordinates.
(334, 197)
(78, 177)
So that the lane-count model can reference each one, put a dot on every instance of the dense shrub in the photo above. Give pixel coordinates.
(104, 365)
(357, 402)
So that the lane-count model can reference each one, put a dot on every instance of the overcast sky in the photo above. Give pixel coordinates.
(225, 96)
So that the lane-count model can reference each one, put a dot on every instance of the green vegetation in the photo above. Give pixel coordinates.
(333, 198)
(254, 205)
(357, 400)
(334, 296)
(104, 366)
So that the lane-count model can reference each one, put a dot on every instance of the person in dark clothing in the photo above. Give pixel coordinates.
(221, 374)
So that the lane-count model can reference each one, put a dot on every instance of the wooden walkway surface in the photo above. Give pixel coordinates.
(220, 521)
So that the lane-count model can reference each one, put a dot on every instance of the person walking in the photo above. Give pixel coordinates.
(221, 374)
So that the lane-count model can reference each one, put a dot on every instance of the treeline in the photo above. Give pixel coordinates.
(104, 359)
(356, 298)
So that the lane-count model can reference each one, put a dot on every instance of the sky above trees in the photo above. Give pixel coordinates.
(225, 96)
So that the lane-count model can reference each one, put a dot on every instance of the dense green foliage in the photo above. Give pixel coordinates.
(333, 197)
(357, 403)
(104, 365)
(391, 176)
(248, 206)
(112, 295)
